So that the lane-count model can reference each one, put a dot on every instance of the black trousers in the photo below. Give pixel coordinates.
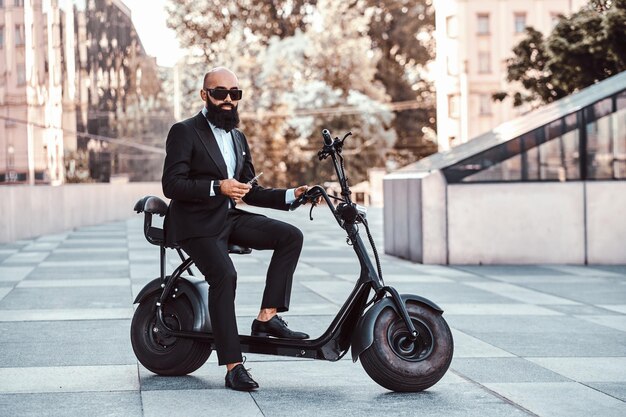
(210, 254)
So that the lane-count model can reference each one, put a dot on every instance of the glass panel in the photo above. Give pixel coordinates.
(502, 163)
(483, 24)
(530, 156)
(520, 22)
(619, 137)
(559, 155)
(484, 62)
(452, 27)
(599, 140)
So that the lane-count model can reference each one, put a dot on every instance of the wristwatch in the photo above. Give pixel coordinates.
(216, 187)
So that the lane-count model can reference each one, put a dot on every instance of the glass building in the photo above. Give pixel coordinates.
(582, 137)
(547, 187)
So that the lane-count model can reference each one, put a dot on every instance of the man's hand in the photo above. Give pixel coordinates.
(234, 189)
(303, 189)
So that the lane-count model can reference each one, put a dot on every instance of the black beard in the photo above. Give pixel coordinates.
(222, 118)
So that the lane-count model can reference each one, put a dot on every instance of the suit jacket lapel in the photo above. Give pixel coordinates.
(210, 144)
(239, 151)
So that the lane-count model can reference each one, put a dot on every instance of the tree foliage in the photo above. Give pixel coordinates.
(315, 55)
(581, 50)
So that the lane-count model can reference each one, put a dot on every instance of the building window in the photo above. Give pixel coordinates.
(482, 24)
(18, 3)
(484, 104)
(452, 66)
(1, 36)
(519, 22)
(600, 142)
(453, 106)
(589, 144)
(452, 29)
(484, 63)
(19, 35)
(21, 74)
(554, 19)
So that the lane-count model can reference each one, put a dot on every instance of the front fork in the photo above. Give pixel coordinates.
(376, 281)
(413, 333)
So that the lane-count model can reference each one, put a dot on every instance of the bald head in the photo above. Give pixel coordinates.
(217, 75)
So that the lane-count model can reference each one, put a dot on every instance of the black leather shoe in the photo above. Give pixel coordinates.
(239, 379)
(276, 327)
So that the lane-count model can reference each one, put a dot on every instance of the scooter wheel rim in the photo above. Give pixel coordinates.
(406, 349)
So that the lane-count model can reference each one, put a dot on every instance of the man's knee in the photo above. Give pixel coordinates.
(222, 280)
(293, 236)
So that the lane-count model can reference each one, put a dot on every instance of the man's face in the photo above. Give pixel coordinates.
(215, 88)
(221, 95)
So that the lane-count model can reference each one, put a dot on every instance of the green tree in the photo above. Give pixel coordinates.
(319, 60)
(402, 31)
(581, 50)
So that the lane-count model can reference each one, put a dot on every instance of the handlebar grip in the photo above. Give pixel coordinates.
(298, 202)
(328, 140)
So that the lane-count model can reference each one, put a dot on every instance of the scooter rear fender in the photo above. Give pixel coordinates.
(363, 335)
(197, 292)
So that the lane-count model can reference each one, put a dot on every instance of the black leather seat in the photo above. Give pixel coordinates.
(150, 205)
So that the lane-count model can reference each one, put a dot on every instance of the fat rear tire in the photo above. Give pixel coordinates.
(164, 354)
(399, 365)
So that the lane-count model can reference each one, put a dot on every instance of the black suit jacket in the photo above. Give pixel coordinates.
(192, 161)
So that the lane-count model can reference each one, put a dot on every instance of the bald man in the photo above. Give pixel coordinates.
(208, 169)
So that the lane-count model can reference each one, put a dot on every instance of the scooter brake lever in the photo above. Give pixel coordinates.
(313, 204)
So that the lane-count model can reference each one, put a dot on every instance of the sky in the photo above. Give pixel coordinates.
(157, 38)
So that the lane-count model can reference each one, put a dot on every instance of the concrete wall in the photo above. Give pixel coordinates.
(415, 217)
(30, 211)
(606, 222)
(428, 221)
(516, 223)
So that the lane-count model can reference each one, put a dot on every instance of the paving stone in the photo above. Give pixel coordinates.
(612, 321)
(342, 388)
(65, 343)
(69, 379)
(466, 346)
(523, 334)
(76, 404)
(608, 369)
(561, 399)
(14, 273)
(53, 298)
(79, 272)
(490, 370)
(614, 389)
(66, 314)
(199, 402)
(581, 309)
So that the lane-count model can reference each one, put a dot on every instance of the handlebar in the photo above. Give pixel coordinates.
(346, 211)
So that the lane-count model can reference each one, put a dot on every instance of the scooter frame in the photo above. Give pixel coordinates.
(352, 327)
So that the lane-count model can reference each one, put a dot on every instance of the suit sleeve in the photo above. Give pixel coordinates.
(176, 182)
(260, 196)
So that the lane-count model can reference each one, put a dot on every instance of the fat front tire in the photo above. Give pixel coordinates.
(398, 364)
(164, 354)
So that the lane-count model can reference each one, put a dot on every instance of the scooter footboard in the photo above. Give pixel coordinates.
(196, 290)
(363, 335)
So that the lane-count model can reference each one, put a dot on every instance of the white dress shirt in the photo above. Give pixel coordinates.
(227, 148)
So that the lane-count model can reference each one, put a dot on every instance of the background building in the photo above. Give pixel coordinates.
(80, 100)
(120, 96)
(474, 40)
(37, 92)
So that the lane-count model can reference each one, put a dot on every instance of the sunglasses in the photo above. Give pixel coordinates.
(222, 93)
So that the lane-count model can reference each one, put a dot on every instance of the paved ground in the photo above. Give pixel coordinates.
(530, 340)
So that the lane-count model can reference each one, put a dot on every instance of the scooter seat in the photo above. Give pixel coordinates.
(239, 250)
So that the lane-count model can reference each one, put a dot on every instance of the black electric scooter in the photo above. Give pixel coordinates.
(403, 341)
